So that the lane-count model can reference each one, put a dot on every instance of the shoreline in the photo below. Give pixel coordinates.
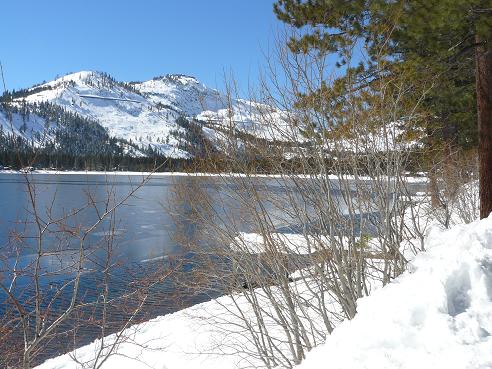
(410, 179)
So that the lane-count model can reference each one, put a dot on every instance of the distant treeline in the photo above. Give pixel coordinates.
(212, 162)
(40, 160)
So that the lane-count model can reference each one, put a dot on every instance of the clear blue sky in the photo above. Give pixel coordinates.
(134, 40)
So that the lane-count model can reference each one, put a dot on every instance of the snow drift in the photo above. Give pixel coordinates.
(436, 315)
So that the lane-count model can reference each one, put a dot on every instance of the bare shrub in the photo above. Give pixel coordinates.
(59, 274)
(455, 188)
(296, 250)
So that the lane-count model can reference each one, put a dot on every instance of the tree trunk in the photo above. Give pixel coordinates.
(433, 188)
(483, 67)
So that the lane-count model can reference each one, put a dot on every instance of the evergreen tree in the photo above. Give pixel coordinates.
(448, 42)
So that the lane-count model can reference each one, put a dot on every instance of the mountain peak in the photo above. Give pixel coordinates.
(182, 79)
(76, 76)
(143, 113)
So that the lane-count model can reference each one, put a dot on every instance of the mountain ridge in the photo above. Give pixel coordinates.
(143, 113)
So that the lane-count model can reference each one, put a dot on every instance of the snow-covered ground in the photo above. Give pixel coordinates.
(436, 315)
(210, 335)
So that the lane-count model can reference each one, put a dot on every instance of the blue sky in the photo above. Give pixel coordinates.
(135, 40)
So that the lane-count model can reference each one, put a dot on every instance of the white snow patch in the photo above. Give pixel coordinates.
(436, 315)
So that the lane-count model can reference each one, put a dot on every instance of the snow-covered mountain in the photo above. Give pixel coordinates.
(144, 114)
(182, 94)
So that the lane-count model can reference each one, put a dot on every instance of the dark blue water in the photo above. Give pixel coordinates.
(138, 242)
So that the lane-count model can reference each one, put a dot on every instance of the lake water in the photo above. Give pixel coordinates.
(144, 228)
(146, 231)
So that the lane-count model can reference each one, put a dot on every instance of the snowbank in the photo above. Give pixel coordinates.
(210, 335)
(436, 315)
(286, 243)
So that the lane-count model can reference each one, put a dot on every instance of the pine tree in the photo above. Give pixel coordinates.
(446, 41)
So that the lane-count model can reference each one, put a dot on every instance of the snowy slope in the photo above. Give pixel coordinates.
(437, 315)
(258, 120)
(183, 94)
(209, 335)
(145, 113)
(33, 129)
(192, 99)
(123, 112)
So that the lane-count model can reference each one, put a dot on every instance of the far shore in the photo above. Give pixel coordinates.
(421, 178)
